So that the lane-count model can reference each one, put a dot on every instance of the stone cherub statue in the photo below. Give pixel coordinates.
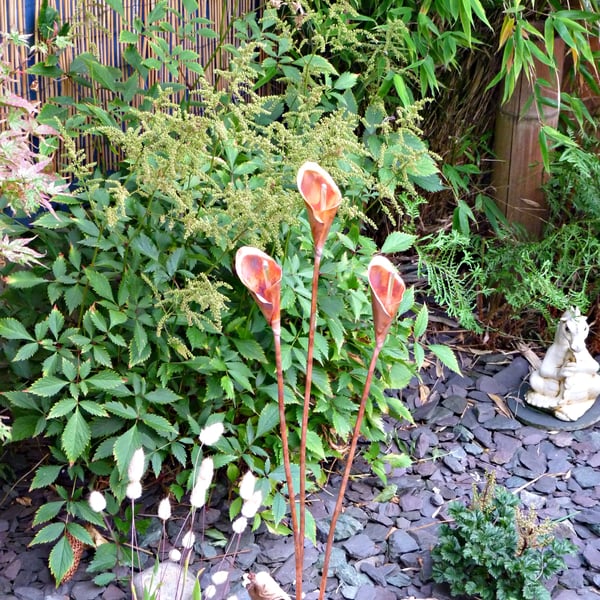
(567, 381)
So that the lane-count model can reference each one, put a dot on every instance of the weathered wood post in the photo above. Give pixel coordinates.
(518, 173)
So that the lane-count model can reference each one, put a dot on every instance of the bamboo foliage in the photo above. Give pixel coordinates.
(96, 29)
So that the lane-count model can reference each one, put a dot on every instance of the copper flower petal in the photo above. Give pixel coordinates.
(322, 198)
(387, 289)
(262, 276)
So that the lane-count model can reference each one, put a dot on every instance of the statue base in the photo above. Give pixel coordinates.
(545, 419)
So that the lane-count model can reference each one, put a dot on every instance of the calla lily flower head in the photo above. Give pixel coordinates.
(322, 198)
(262, 276)
(387, 289)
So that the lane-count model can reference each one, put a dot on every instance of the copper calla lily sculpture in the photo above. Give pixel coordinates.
(262, 276)
(322, 198)
(387, 290)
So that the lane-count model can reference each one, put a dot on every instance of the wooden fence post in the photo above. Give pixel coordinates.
(518, 173)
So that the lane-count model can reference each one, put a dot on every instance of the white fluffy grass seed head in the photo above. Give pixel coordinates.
(97, 501)
(219, 577)
(164, 509)
(247, 486)
(211, 434)
(239, 525)
(174, 555)
(210, 591)
(207, 470)
(188, 540)
(251, 506)
(198, 495)
(136, 468)
(134, 490)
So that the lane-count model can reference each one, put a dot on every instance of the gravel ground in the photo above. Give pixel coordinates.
(461, 431)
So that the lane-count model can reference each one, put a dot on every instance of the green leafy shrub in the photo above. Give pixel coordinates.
(495, 551)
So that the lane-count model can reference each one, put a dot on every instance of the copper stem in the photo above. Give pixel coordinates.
(298, 540)
(349, 460)
(307, 394)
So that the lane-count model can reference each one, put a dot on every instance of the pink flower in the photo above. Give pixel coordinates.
(387, 289)
(322, 198)
(262, 276)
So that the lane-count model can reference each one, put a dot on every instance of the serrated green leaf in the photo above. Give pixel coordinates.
(398, 461)
(162, 396)
(74, 297)
(227, 386)
(47, 386)
(421, 321)
(48, 533)
(315, 444)
(47, 511)
(121, 410)
(139, 348)
(62, 407)
(105, 558)
(103, 579)
(250, 350)
(11, 329)
(398, 242)
(106, 380)
(56, 322)
(128, 37)
(21, 280)
(268, 419)
(26, 352)
(386, 494)
(101, 356)
(158, 423)
(76, 436)
(446, 355)
(278, 507)
(80, 533)
(345, 81)
(124, 447)
(310, 527)
(61, 559)
(99, 283)
(93, 408)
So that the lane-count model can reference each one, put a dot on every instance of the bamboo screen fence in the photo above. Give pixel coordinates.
(96, 28)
